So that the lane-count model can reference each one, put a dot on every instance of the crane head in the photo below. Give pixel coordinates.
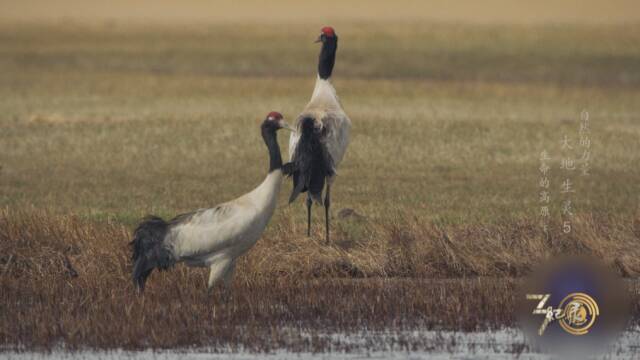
(276, 119)
(326, 32)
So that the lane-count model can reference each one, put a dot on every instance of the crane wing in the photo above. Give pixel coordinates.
(311, 160)
(337, 127)
(294, 138)
(205, 230)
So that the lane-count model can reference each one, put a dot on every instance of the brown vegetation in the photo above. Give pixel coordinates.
(66, 280)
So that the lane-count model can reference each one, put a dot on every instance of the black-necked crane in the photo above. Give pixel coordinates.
(214, 237)
(321, 135)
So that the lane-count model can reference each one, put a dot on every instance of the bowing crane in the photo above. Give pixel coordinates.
(214, 237)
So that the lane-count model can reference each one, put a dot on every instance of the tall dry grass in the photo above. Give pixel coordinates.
(66, 280)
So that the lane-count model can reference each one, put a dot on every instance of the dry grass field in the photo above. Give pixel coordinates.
(101, 124)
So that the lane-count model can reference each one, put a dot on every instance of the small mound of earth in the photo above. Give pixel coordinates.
(347, 213)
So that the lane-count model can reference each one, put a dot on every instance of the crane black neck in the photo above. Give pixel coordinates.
(327, 57)
(271, 140)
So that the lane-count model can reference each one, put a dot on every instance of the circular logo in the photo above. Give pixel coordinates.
(572, 307)
(579, 313)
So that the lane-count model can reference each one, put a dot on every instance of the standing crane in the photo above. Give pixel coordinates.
(214, 237)
(321, 136)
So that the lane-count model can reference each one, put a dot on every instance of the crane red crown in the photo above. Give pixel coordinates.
(328, 31)
(275, 115)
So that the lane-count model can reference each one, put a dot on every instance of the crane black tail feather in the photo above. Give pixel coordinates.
(149, 251)
(311, 162)
(298, 186)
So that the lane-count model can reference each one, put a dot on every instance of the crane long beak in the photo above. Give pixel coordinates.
(319, 39)
(283, 124)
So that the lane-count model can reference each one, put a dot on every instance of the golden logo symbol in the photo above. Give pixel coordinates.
(576, 313)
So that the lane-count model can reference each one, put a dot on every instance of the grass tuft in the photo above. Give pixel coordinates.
(67, 280)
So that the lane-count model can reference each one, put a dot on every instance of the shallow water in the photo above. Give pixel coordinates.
(502, 344)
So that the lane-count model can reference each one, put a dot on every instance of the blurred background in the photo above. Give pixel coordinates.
(290, 11)
(446, 98)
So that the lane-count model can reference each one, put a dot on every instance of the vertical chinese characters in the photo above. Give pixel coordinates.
(567, 165)
(544, 196)
(575, 159)
(585, 143)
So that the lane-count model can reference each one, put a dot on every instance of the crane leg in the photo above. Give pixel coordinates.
(228, 275)
(327, 204)
(309, 203)
(218, 270)
(226, 280)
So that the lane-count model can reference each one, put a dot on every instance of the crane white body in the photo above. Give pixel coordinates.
(218, 236)
(325, 108)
